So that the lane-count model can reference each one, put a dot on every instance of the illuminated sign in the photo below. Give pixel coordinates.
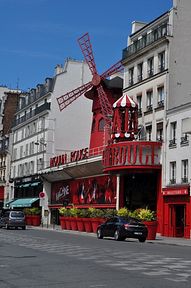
(69, 157)
(183, 191)
(132, 153)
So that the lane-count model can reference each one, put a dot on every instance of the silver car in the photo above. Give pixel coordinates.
(13, 219)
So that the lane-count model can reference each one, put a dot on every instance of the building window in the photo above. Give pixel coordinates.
(159, 131)
(172, 142)
(161, 61)
(160, 93)
(173, 172)
(150, 65)
(101, 124)
(21, 151)
(140, 72)
(149, 100)
(148, 132)
(185, 171)
(139, 102)
(131, 76)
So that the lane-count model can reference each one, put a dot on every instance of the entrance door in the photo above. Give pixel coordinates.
(179, 220)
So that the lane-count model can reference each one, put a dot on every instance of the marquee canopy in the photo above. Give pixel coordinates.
(124, 101)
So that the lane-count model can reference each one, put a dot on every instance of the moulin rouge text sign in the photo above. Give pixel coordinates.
(69, 157)
(132, 154)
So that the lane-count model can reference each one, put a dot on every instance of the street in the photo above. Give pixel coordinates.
(43, 258)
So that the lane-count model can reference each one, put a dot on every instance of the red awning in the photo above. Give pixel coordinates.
(124, 101)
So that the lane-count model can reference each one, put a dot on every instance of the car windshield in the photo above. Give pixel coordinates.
(17, 214)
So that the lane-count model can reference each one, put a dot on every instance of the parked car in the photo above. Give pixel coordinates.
(121, 228)
(13, 219)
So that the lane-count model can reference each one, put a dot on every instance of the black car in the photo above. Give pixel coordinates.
(121, 228)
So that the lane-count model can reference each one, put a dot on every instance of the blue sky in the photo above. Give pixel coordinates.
(38, 34)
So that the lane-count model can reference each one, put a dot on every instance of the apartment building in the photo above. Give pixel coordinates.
(8, 103)
(40, 131)
(157, 76)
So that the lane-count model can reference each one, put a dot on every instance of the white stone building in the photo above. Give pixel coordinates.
(157, 75)
(41, 131)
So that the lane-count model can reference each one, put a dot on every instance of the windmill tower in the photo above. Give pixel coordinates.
(101, 96)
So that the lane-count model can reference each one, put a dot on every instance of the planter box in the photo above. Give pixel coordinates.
(28, 219)
(73, 223)
(152, 229)
(96, 222)
(88, 224)
(36, 220)
(68, 223)
(80, 224)
(63, 222)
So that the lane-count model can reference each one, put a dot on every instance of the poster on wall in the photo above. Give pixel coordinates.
(61, 193)
(92, 190)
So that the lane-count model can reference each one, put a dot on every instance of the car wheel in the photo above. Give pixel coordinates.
(117, 235)
(24, 227)
(142, 239)
(99, 234)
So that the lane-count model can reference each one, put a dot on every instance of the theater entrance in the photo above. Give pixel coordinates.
(140, 190)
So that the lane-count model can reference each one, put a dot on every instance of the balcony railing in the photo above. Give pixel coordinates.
(185, 180)
(173, 181)
(184, 140)
(172, 143)
(160, 32)
(45, 106)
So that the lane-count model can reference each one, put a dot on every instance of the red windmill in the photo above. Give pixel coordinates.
(96, 83)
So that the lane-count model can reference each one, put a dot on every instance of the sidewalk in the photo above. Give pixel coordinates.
(159, 239)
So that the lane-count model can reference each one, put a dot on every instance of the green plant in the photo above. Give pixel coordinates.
(35, 211)
(27, 211)
(95, 213)
(64, 211)
(145, 214)
(108, 213)
(73, 212)
(123, 212)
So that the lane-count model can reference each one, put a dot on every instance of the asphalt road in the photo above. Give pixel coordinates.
(42, 258)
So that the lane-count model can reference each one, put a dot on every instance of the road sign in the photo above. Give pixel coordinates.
(41, 195)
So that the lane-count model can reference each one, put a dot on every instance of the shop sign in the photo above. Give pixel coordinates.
(135, 153)
(183, 191)
(73, 156)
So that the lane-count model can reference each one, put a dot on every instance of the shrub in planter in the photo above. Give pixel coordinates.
(97, 217)
(87, 220)
(108, 213)
(148, 217)
(73, 215)
(124, 212)
(36, 216)
(28, 216)
(63, 214)
(79, 220)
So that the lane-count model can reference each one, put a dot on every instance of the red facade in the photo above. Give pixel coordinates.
(93, 190)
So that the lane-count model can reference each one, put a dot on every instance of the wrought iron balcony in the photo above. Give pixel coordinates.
(185, 180)
(149, 107)
(173, 181)
(161, 103)
(146, 40)
(172, 143)
(184, 140)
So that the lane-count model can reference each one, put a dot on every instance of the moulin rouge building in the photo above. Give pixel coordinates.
(117, 169)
